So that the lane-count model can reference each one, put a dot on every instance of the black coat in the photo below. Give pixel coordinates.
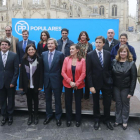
(67, 46)
(40, 48)
(114, 43)
(20, 51)
(125, 75)
(98, 76)
(37, 76)
(9, 73)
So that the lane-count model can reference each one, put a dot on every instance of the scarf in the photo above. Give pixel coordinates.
(33, 61)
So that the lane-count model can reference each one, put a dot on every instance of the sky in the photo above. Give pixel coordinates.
(132, 7)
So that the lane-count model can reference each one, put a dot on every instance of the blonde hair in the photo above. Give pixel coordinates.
(129, 55)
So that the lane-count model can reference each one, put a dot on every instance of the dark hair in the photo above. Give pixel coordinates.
(47, 34)
(5, 40)
(78, 54)
(100, 37)
(64, 29)
(124, 34)
(26, 50)
(83, 32)
(8, 26)
(25, 31)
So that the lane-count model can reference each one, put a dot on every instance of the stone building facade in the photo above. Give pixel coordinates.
(138, 16)
(105, 9)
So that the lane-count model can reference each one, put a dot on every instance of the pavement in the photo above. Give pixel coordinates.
(21, 131)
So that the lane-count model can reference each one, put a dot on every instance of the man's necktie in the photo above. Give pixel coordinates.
(4, 59)
(24, 45)
(50, 60)
(100, 58)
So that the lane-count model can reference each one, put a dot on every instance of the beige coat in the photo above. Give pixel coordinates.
(14, 41)
(139, 74)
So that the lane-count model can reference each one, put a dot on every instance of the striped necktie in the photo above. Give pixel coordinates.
(4, 59)
(100, 58)
(50, 59)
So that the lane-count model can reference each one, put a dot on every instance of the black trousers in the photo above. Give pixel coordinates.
(32, 96)
(107, 95)
(58, 108)
(7, 108)
(68, 103)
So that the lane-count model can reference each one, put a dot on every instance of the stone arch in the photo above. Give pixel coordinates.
(18, 15)
(36, 15)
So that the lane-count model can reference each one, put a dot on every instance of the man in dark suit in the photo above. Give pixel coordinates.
(53, 61)
(64, 43)
(99, 78)
(9, 70)
(110, 42)
(21, 46)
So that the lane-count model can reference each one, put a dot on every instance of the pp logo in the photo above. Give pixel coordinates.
(20, 26)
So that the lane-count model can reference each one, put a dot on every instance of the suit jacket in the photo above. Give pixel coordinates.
(13, 45)
(37, 76)
(98, 76)
(80, 72)
(20, 50)
(114, 43)
(9, 73)
(40, 48)
(53, 75)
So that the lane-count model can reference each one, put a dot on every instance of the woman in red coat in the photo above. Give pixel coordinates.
(73, 72)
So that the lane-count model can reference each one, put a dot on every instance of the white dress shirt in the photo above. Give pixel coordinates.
(97, 51)
(2, 53)
(52, 55)
(31, 78)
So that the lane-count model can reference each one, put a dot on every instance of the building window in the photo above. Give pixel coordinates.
(19, 2)
(101, 10)
(64, 5)
(114, 10)
(35, 1)
(95, 10)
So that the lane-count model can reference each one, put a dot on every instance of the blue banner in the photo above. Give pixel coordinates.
(94, 28)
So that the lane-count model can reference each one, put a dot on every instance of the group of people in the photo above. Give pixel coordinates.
(110, 68)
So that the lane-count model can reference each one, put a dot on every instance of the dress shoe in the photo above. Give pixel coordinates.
(68, 123)
(124, 127)
(10, 121)
(47, 120)
(58, 122)
(96, 125)
(3, 121)
(30, 120)
(109, 125)
(36, 119)
(116, 124)
(78, 124)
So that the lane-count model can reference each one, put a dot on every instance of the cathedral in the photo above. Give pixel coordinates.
(77, 9)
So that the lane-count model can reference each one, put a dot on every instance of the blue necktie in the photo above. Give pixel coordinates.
(24, 45)
(100, 58)
(50, 60)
